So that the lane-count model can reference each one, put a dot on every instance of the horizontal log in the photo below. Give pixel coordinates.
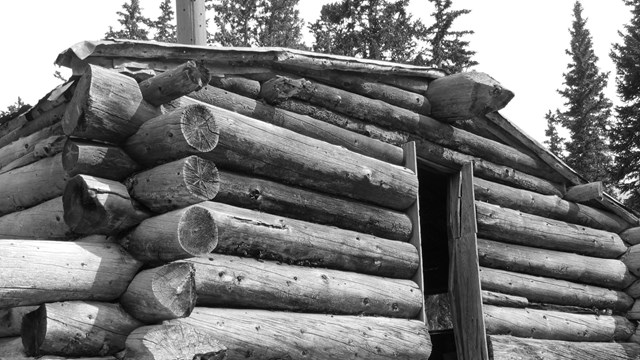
(515, 348)
(11, 349)
(302, 124)
(32, 184)
(229, 281)
(634, 312)
(585, 192)
(26, 145)
(261, 334)
(498, 299)
(632, 259)
(555, 325)
(35, 271)
(553, 291)
(45, 120)
(175, 235)
(608, 273)
(96, 159)
(547, 206)
(438, 312)
(11, 320)
(497, 223)
(631, 236)
(251, 233)
(106, 106)
(162, 293)
(77, 328)
(176, 184)
(43, 221)
(237, 84)
(178, 341)
(99, 206)
(174, 83)
(45, 148)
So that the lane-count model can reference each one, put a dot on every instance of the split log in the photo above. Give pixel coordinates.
(585, 192)
(237, 84)
(45, 120)
(178, 341)
(26, 145)
(515, 348)
(512, 226)
(32, 184)
(632, 259)
(94, 159)
(438, 312)
(106, 106)
(175, 235)
(229, 281)
(36, 271)
(555, 325)
(11, 320)
(176, 184)
(174, 83)
(77, 328)
(43, 221)
(163, 293)
(261, 334)
(498, 299)
(304, 125)
(465, 95)
(608, 273)
(251, 233)
(298, 203)
(189, 130)
(99, 206)
(553, 291)
(631, 236)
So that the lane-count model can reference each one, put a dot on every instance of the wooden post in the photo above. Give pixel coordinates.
(192, 23)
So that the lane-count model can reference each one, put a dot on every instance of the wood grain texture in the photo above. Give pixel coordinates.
(237, 84)
(96, 159)
(43, 221)
(174, 83)
(178, 341)
(498, 299)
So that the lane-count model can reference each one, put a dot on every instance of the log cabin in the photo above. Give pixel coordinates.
(269, 203)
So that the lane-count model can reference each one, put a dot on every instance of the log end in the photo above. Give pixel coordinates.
(173, 341)
(197, 231)
(199, 127)
(33, 331)
(201, 178)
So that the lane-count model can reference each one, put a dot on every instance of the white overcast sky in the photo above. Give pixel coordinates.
(519, 43)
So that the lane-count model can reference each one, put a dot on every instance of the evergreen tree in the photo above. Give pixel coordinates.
(625, 133)
(134, 25)
(554, 142)
(164, 25)
(587, 113)
(14, 108)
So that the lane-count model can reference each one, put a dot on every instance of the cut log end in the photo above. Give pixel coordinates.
(171, 84)
(197, 231)
(199, 128)
(176, 287)
(176, 341)
(34, 325)
(201, 177)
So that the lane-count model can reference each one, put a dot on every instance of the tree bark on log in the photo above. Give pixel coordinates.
(174, 83)
(512, 226)
(32, 184)
(498, 299)
(43, 221)
(237, 84)
(261, 334)
(47, 119)
(304, 125)
(515, 348)
(94, 159)
(229, 281)
(608, 273)
(100, 206)
(631, 236)
(162, 293)
(250, 233)
(35, 272)
(186, 131)
(106, 106)
(26, 145)
(175, 235)
(77, 328)
(176, 184)
(555, 325)
(11, 320)
(547, 206)
(553, 291)
(178, 341)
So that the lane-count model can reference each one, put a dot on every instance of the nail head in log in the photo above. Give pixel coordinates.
(36, 271)
(106, 106)
(175, 235)
(466, 95)
(43, 221)
(230, 281)
(77, 328)
(94, 159)
(261, 334)
(99, 206)
(162, 293)
(176, 184)
(177, 341)
(186, 131)
(174, 83)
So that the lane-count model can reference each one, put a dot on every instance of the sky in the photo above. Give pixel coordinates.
(519, 43)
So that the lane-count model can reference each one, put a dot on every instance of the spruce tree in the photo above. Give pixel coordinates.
(554, 142)
(165, 24)
(134, 25)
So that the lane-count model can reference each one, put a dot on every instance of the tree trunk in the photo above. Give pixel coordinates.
(176, 184)
(35, 272)
(553, 291)
(229, 281)
(99, 206)
(163, 293)
(11, 320)
(515, 227)
(498, 299)
(261, 334)
(554, 325)
(250, 233)
(174, 83)
(178, 341)
(608, 273)
(77, 328)
(237, 84)
(26, 145)
(94, 159)
(43, 221)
